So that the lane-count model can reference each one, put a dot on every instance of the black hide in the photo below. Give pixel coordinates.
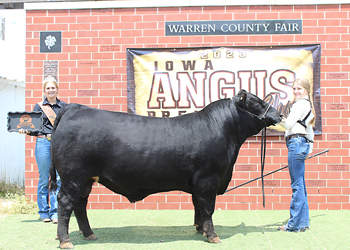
(136, 156)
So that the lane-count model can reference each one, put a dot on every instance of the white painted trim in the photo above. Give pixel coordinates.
(162, 3)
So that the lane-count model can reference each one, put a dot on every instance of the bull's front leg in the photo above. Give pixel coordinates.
(206, 203)
(198, 223)
(208, 226)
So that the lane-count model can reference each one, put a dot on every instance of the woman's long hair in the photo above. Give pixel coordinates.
(306, 85)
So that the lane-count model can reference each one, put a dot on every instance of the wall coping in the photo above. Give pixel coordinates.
(177, 3)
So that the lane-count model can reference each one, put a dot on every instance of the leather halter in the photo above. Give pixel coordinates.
(263, 142)
(261, 118)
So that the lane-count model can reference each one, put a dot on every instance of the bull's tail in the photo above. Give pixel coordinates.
(53, 175)
(53, 178)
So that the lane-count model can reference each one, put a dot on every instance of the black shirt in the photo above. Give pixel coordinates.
(47, 126)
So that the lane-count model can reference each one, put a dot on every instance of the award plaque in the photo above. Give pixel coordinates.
(31, 121)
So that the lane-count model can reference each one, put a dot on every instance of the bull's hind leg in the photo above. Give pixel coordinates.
(69, 199)
(64, 211)
(80, 212)
(82, 219)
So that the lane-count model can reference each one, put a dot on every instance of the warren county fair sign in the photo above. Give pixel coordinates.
(254, 27)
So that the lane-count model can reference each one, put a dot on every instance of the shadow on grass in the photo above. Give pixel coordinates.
(162, 234)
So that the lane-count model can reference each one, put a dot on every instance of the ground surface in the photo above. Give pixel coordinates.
(169, 229)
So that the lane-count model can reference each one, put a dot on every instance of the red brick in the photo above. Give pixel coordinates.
(155, 198)
(80, 56)
(186, 206)
(314, 30)
(244, 16)
(79, 26)
(65, 19)
(128, 206)
(110, 63)
(130, 19)
(168, 206)
(108, 198)
(102, 55)
(338, 199)
(109, 19)
(101, 26)
(268, 16)
(102, 71)
(102, 100)
(148, 206)
(338, 183)
(259, 39)
(337, 60)
(102, 41)
(79, 41)
(178, 198)
(54, 27)
(81, 71)
(237, 206)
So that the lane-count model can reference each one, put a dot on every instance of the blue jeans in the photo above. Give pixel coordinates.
(43, 159)
(298, 149)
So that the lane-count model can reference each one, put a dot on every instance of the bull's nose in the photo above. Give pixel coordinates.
(281, 117)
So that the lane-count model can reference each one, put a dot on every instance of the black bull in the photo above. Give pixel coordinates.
(136, 156)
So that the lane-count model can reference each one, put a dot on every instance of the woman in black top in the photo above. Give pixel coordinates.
(47, 201)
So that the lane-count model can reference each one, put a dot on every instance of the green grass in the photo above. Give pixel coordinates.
(169, 229)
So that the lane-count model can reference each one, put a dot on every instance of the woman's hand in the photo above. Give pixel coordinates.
(22, 131)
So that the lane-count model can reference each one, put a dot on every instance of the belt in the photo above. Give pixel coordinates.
(297, 136)
(48, 136)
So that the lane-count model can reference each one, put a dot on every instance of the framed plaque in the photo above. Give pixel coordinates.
(31, 121)
(50, 41)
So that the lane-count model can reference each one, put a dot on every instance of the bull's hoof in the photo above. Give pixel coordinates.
(215, 239)
(91, 237)
(66, 245)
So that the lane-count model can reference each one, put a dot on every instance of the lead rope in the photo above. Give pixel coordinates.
(263, 153)
(262, 159)
(263, 144)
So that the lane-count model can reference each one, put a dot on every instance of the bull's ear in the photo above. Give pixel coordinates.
(242, 96)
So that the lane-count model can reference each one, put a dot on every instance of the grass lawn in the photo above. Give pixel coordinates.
(169, 229)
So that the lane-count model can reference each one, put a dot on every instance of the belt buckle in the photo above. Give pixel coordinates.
(48, 136)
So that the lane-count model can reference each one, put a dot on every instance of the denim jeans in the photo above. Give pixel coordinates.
(298, 149)
(43, 159)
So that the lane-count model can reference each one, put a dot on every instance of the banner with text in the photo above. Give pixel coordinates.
(174, 81)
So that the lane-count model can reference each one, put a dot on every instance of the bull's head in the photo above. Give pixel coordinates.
(255, 107)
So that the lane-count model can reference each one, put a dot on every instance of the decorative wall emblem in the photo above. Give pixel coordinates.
(50, 41)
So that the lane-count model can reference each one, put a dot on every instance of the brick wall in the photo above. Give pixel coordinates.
(92, 71)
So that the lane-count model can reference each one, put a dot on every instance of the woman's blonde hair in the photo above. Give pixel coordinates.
(306, 85)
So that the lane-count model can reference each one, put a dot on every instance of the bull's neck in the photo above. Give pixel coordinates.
(245, 126)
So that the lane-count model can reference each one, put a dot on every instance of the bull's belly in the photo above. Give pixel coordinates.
(136, 190)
